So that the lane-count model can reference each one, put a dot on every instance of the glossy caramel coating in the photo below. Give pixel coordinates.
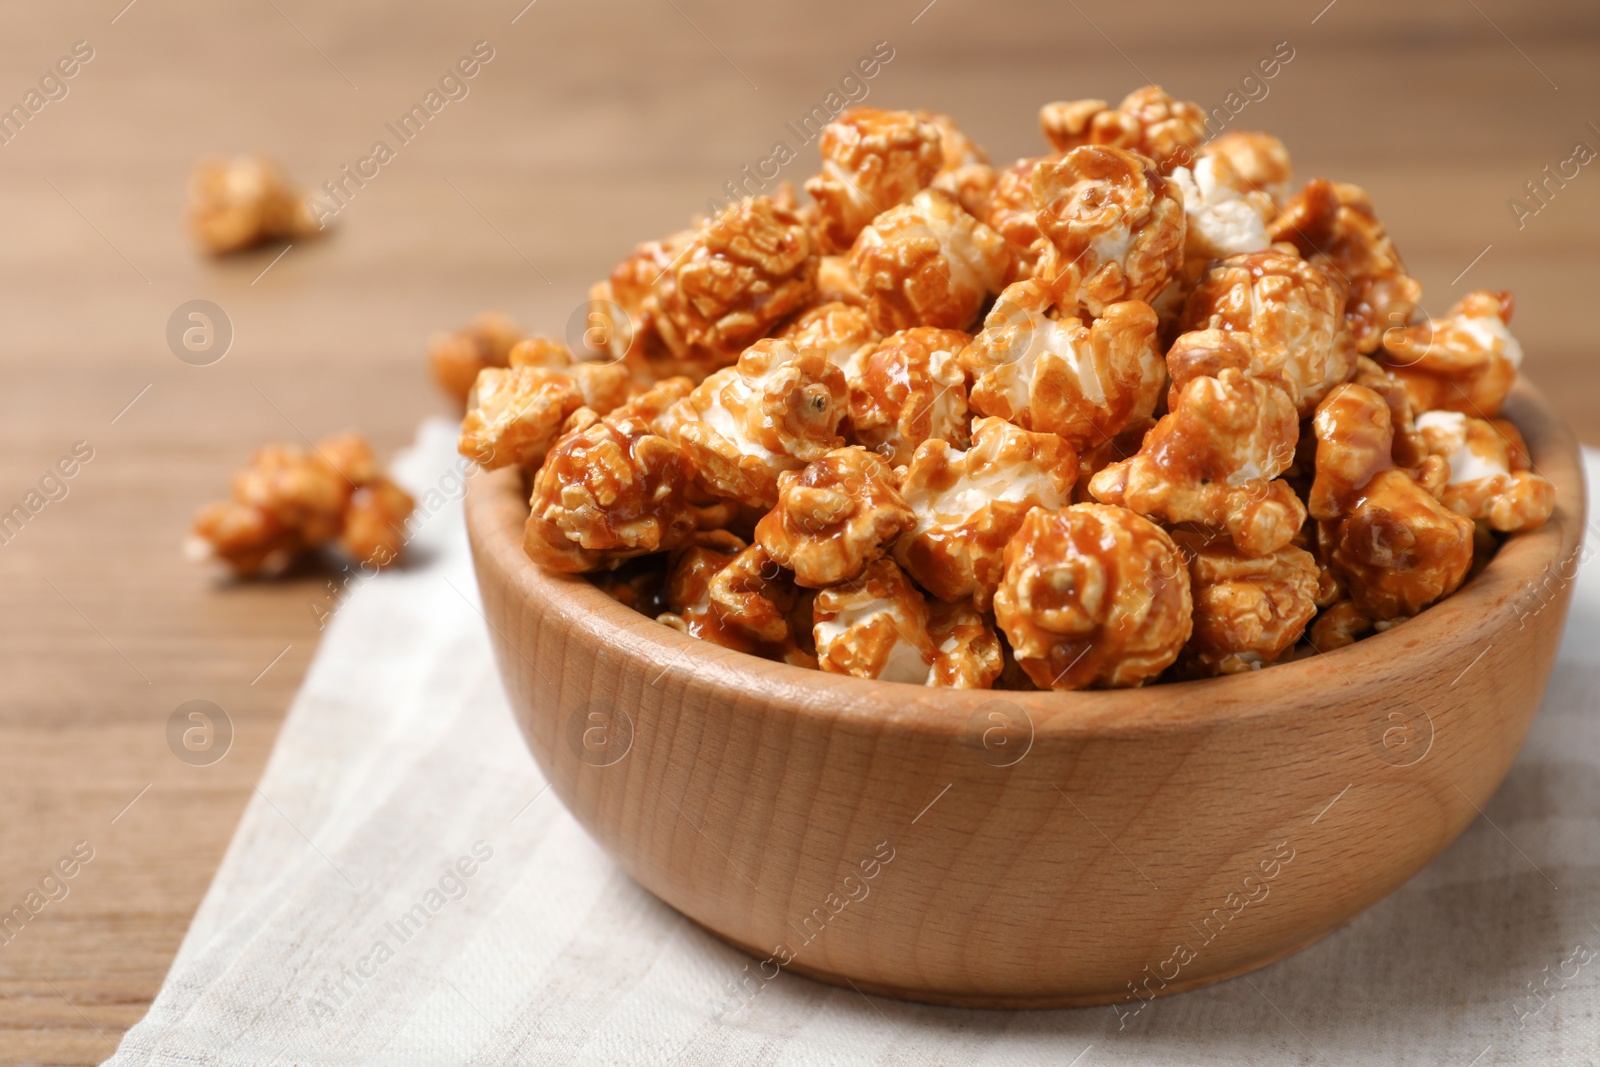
(872, 160)
(743, 273)
(1115, 227)
(1467, 361)
(928, 263)
(834, 516)
(968, 505)
(1249, 610)
(874, 627)
(1213, 459)
(1058, 375)
(1336, 229)
(907, 389)
(1093, 596)
(1148, 121)
(778, 409)
(1393, 544)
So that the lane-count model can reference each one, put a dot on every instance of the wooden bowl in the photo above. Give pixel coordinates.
(1026, 849)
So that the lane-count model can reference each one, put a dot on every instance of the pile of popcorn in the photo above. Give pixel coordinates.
(1057, 424)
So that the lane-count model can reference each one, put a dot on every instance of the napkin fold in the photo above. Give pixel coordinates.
(403, 889)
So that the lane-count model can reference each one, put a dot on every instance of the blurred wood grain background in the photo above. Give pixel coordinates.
(593, 126)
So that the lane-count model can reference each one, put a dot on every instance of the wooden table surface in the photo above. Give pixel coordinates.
(593, 126)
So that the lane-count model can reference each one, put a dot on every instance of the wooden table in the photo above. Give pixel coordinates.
(592, 126)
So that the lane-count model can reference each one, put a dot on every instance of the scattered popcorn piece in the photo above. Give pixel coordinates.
(288, 501)
(1249, 610)
(1212, 459)
(843, 332)
(1148, 121)
(243, 201)
(609, 490)
(928, 263)
(1395, 546)
(966, 649)
(1292, 313)
(907, 389)
(872, 160)
(1115, 227)
(743, 273)
(1260, 160)
(1486, 481)
(1335, 228)
(874, 627)
(655, 404)
(1057, 375)
(778, 409)
(1093, 595)
(374, 523)
(834, 516)
(968, 505)
(1466, 361)
(456, 358)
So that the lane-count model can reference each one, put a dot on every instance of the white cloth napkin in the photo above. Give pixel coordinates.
(403, 890)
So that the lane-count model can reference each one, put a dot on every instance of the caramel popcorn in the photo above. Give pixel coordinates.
(956, 149)
(1011, 213)
(1213, 459)
(1382, 530)
(928, 263)
(514, 414)
(973, 186)
(456, 358)
(966, 650)
(791, 445)
(1057, 375)
(874, 627)
(1335, 228)
(1114, 227)
(721, 590)
(1259, 159)
(1224, 216)
(609, 490)
(1489, 479)
(1249, 610)
(777, 410)
(1291, 313)
(288, 501)
(843, 332)
(741, 275)
(244, 201)
(834, 517)
(836, 283)
(1093, 595)
(907, 389)
(1148, 121)
(1466, 361)
(872, 160)
(968, 505)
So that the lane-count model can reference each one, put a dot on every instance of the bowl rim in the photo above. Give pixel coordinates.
(497, 508)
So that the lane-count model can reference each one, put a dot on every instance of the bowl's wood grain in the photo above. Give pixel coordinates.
(1084, 847)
